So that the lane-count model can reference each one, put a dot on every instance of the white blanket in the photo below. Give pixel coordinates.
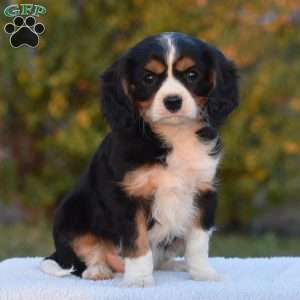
(254, 278)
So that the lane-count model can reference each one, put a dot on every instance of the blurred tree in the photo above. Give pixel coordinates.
(49, 119)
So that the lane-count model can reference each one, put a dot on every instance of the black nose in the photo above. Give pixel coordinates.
(173, 103)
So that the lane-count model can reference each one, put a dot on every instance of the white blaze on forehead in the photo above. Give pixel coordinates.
(170, 56)
(166, 40)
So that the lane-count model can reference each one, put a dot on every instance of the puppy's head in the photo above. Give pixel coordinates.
(170, 78)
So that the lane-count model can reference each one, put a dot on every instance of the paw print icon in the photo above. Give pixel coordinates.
(24, 32)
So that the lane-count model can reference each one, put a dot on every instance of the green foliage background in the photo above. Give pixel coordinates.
(49, 114)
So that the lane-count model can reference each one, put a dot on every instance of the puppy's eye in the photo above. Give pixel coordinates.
(191, 76)
(149, 78)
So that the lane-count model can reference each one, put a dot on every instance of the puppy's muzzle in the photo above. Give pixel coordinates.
(173, 103)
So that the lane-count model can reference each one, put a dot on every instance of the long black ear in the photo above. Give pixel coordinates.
(224, 97)
(116, 105)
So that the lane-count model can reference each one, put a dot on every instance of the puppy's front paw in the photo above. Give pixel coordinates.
(205, 274)
(142, 281)
(138, 271)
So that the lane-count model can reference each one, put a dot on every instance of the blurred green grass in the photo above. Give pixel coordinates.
(25, 240)
(35, 240)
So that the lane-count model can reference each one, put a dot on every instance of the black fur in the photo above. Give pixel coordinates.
(207, 133)
(216, 150)
(207, 203)
(116, 105)
(224, 97)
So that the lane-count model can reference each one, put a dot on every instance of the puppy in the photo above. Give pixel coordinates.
(149, 193)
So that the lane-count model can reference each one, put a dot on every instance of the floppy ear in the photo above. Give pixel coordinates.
(224, 96)
(116, 105)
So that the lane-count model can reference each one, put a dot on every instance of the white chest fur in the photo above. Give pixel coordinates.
(189, 169)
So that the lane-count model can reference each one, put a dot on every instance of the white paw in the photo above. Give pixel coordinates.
(97, 272)
(205, 274)
(142, 281)
(138, 271)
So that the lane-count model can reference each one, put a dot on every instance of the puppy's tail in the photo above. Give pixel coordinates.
(50, 266)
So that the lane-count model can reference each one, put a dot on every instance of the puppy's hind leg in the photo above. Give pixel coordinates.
(92, 252)
(99, 271)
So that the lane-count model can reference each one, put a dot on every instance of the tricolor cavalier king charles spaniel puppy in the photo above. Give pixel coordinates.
(149, 192)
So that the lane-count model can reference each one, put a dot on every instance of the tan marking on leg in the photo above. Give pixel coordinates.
(142, 240)
(115, 262)
(93, 252)
(138, 259)
(141, 245)
(89, 249)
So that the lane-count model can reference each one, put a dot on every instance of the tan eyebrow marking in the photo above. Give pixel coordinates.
(184, 63)
(155, 66)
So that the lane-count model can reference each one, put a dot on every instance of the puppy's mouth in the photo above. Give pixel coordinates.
(175, 119)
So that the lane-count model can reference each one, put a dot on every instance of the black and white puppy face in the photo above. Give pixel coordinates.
(170, 78)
